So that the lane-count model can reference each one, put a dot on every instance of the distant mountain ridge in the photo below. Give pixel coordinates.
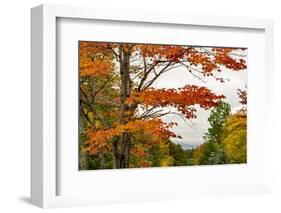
(185, 146)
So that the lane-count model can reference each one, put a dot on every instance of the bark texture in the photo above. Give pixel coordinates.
(121, 145)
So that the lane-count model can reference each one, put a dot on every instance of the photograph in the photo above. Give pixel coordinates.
(158, 105)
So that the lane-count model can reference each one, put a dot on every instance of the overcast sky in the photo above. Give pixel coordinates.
(192, 134)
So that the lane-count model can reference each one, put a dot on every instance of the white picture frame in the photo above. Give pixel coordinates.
(44, 155)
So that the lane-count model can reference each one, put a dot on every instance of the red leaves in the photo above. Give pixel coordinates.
(96, 58)
(208, 59)
(183, 99)
(230, 63)
(223, 57)
(197, 57)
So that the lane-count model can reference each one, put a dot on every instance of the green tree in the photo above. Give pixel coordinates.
(212, 151)
(159, 155)
(206, 153)
(217, 119)
(178, 154)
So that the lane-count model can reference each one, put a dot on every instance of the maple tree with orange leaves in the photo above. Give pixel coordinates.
(122, 108)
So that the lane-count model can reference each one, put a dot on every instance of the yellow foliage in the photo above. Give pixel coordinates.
(198, 154)
(234, 138)
(167, 160)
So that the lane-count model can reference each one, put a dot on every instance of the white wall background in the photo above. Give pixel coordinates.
(15, 105)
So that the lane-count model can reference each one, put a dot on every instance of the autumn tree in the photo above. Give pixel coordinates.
(234, 138)
(132, 70)
(178, 154)
(98, 98)
(234, 135)
(203, 154)
(226, 140)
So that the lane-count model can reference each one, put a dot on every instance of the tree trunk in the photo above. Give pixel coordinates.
(121, 148)
(102, 160)
(84, 156)
(125, 150)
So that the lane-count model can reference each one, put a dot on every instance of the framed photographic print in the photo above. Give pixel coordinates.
(131, 105)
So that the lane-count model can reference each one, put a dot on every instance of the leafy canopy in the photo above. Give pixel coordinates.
(112, 72)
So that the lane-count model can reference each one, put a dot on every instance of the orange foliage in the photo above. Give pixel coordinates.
(183, 99)
(145, 164)
(100, 139)
(98, 59)
(162, 51)
(209, 59)
(139, 152)
(95, 59)
(222, 57)
(94, 68)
